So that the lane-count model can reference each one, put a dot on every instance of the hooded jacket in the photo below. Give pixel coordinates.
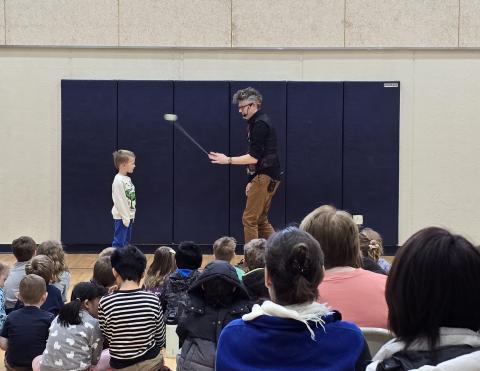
(458, 350)
(254, 282)
(174, 295)
(204, 316)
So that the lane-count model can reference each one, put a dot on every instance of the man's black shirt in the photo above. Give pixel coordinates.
(262, 141)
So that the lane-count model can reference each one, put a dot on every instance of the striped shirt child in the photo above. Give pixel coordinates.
(132, 322)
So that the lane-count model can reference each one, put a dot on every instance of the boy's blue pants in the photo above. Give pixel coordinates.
(122, 235)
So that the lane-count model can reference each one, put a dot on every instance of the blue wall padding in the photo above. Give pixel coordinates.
(200, 188)
(142, 129)
(89, 136)
(370, 154)
(314, 147)
(338, 142)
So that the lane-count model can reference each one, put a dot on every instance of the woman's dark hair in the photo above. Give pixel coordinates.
(294, 261)
(129, 262)
(434, 282)
(70, 313)
(188, 255)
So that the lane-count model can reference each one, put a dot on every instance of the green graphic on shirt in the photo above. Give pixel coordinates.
(131, 196)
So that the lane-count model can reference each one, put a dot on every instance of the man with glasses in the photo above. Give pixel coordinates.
(262, 162)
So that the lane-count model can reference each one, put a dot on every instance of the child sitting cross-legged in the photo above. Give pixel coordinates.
(214, 299)
(130, 318)
(75, 340)
(43, 266)
(25, 332)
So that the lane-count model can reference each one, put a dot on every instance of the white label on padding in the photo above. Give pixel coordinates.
(390, 85)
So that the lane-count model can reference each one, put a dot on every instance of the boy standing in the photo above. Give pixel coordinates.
(23, 248)
(124, 198)
(131, 319)
(25, 332)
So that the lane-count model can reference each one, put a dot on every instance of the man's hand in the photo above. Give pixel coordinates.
(218, 158)
(247, 188)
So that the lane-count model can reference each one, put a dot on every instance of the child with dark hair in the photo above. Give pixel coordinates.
(163, 264)
(43, 266)
(214, 299)
(432, 296)
(130, 318)
(188, 258)
(75, 340)
(25, 332)
(102, 273)
(23, 248)
(293, 331)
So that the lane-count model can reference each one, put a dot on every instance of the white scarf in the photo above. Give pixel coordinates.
(304, 313)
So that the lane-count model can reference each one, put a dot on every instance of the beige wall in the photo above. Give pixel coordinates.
(242, 23)
(439, 151)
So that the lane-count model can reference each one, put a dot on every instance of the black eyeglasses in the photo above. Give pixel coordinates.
(245, 105)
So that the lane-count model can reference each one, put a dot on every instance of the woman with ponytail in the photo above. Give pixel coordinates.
(75, 341)
(292, 331)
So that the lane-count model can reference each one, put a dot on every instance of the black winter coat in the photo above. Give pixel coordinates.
(201, 323)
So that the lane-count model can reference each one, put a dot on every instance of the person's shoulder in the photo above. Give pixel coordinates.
(347, 330)
(371, 275)
(53, 290)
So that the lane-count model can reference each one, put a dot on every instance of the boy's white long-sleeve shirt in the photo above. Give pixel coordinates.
(124, 199)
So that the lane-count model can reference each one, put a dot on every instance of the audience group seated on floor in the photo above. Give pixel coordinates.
(308, 298)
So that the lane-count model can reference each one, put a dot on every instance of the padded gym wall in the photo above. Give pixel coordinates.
(314, 147)
(200, 188)
(141, 129)
(338, 144)
(370, 155)
(89, 136)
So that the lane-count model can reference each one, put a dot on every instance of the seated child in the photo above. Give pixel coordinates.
(214, 299)
(23, 249)
(4, 271)
(130, 318)
(188, 259)
(25, 332)
(108, 251)
(75, 340)
(42, 266)
(224, 249)
(61, 274)
(371, 244)
(163, 264)
(254, 262)
(102, 273)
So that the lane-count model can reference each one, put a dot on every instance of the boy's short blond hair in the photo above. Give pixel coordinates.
(42, 266)
(32, 288)
(121, 157)
(224, 248)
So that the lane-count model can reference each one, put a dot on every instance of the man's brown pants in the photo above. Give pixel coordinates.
(255, 216)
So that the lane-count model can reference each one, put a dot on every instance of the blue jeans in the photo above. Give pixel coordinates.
(122, 235)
